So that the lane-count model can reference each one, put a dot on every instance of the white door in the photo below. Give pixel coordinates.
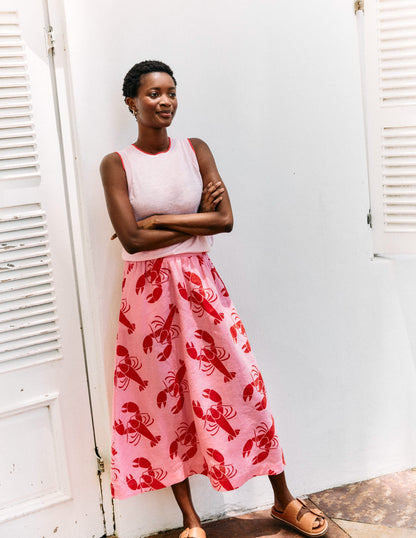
(390, 97)
(49, 485)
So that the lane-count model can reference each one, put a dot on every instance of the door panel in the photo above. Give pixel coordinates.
(49, 484)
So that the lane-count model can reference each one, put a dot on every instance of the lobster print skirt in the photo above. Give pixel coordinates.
(189, 397)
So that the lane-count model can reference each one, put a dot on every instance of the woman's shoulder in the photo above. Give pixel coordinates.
(197, 142)
(199, 146)
(115, 160)
(110, 158)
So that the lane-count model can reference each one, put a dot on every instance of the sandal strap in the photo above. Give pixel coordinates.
(307, 519)
(313, 510)
(197, 532)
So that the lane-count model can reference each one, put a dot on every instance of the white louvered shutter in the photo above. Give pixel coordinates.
(47, 464)
(390, 66)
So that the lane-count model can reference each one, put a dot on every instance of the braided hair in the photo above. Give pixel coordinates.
(132, 79)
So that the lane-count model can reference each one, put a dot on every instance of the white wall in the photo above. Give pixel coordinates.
(274, 89)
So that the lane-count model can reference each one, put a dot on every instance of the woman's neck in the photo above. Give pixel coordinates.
(152, 140)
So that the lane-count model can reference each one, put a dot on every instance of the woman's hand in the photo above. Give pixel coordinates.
(144, 224)
(211, 196)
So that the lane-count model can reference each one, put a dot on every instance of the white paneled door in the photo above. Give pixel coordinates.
(48, 470)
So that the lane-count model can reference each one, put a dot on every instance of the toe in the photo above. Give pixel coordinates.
(319, 522)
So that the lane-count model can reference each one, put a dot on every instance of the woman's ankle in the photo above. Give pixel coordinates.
(192, 521)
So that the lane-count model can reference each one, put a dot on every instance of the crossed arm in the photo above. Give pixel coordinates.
(214, 213)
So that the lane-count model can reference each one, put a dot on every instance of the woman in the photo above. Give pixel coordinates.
(188, 394)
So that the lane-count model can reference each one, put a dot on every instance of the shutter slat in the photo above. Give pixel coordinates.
(26, 313)
(26, 337)
(25, 256)
(25, 296)
(26, 282)
(399, 205)
(23, 276)
(24, 325)
(15, 307)
(42, 354)
(23, 155)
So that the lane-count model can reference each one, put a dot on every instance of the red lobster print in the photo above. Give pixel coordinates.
(215, 275)
(217, 415)
(201, 259)
(126, 370)
(124, 308)
(149, 479)
(257, 384)
(265, 439)
(154, 275)
(137, 425)
(221, 473)
(175, 386)
(205, 469)
(114, 470)
(210, 356)
(186, 437)
(200, 298)
(163, 331)
(238, 327)
(130, 266)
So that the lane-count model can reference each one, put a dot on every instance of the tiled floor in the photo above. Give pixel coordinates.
(383, 507)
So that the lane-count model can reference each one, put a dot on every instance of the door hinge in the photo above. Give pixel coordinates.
(359, 6)
(369, 219)
(100, 462)
(50, 40)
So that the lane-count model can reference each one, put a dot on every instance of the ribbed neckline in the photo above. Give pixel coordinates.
(154, 154)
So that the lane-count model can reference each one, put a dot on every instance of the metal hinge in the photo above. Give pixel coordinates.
(359, 6)
(50, 40)
(369, 219)
(100, 462)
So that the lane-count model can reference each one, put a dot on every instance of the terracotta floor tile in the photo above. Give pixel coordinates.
(257, 524)
(382, 507)
(365, 530)
(388, 500)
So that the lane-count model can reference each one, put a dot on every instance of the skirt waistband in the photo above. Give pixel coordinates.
(178, 255)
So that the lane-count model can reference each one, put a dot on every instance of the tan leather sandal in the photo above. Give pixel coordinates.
(193, 532)
(303, 525)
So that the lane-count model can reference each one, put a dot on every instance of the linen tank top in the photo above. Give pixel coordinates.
(161, 183)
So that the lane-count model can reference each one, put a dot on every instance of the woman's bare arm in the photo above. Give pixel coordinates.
(121, 212)
(206, 223)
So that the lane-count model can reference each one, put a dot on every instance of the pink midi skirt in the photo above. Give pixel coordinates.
(189, 397)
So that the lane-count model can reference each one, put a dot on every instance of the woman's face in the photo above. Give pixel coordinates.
(156, 101)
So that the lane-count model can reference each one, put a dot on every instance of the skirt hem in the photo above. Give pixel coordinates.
(182, 476)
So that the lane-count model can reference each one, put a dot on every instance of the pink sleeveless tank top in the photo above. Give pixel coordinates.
(161, 183)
